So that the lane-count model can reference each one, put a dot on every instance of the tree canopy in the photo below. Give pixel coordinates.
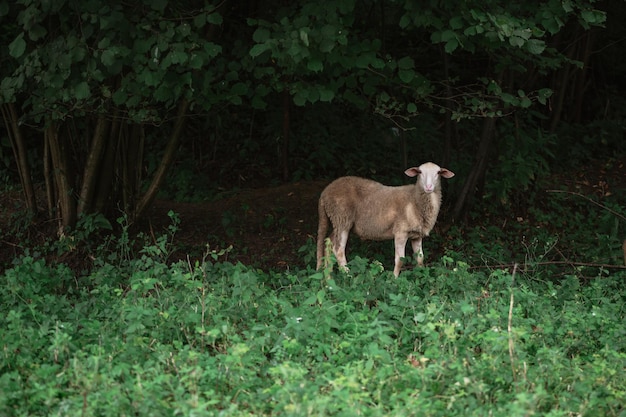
(91, 88)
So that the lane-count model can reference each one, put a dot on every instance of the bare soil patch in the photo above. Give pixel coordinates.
(265, 226)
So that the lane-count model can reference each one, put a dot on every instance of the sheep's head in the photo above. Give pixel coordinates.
(428, 175)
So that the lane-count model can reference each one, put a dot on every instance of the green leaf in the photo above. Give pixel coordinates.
(37, 32)
(178, 57)
(258, 103)
(18, 46)
(516, 41)
(120, 97)
(451, 45)
(164, 93)
(314, 95)
(158, 5)
(215, 19)
(543, 95)
(212, 49)
(81, 90)
(199, 20)
(508, 98)
(327, 95)
(315, 65)
(108, 57)
(258, 49)
(447, 35)
(406, 75)
(329, 31)
(261, 35)
(406, 63)
(457, 22)
(411, 108)
(592, 17)
(148, 77)
(378, 63)
(405, 21)
(304, 37)
(536, 46)
(362, 61)
(470, 31)
(196, 61)
(326, 45)
(239, 89)
(301, 97)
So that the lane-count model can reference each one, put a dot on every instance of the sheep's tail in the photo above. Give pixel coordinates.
(322, 230)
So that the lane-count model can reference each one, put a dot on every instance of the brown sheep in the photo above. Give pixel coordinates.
(378, 212)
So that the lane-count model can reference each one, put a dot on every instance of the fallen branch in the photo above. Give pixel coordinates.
(573, 264)
(590, 200)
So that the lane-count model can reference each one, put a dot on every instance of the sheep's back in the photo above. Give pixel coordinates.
(341, 198)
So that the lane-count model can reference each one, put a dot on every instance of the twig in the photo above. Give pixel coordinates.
(570, 263)
(590, 200)
(15, 245)
(510, 327)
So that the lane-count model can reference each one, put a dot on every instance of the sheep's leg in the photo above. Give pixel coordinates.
(400, 245)
(340, 248)
(416, 244)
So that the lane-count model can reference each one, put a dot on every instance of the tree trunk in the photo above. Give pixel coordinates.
(285, 148)
(465, 199)
(48, 176)
(92, 166)
(21, 155)
(105, 178)
(166, 162)
(60, 167)
(131, 164)
(447, 149)
(581, 84)
(561, 90)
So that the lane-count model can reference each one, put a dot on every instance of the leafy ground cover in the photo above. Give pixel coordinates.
(137, 336)
(161, 324)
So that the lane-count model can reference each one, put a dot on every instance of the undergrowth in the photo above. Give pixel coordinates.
(139, 336)
(519, 314)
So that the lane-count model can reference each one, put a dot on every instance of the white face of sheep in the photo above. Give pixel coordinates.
(429, 175)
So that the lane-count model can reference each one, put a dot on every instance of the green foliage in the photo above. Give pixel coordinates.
(524, 160)
(132, 56)
(547, 229)
(341, 54)
(193, 339)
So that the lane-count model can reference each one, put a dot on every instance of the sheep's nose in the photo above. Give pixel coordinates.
(429, 188)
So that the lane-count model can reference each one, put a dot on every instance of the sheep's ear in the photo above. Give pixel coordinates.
(446, 173)
(413, 172)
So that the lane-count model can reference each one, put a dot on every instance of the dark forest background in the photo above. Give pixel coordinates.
(107, 105)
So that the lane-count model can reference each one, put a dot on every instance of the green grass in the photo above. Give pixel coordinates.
(141, 337)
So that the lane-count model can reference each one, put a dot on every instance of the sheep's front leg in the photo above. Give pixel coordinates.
(400, 245)
(416, 244)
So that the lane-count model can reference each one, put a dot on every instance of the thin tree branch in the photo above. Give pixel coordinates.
(590, 200)
(570, 263)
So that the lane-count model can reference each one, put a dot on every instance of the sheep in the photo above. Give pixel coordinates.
(378, 212)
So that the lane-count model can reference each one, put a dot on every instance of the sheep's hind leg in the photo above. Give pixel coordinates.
(400, 246)
(416, 244)
(340, 249)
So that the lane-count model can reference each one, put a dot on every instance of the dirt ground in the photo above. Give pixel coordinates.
(266, 226)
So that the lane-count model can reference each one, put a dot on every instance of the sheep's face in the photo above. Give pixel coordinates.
(428, 176)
